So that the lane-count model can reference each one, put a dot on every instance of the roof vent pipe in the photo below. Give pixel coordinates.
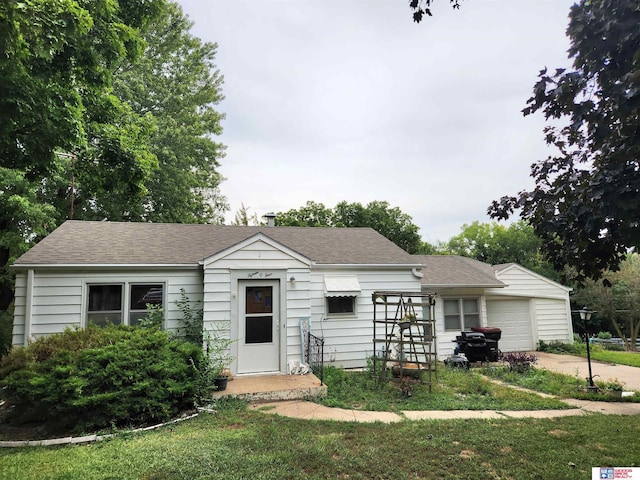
(271, 219)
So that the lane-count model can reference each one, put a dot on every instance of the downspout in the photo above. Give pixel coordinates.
(28, 302)
(417, 273)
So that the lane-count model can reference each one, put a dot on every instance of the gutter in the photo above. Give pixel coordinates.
(118, 266)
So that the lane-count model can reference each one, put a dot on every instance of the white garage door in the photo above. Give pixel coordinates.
(512, 316)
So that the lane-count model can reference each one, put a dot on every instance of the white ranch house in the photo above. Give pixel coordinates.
(260, 282)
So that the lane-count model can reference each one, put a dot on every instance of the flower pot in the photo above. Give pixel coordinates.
(220, 383)
(615, 393)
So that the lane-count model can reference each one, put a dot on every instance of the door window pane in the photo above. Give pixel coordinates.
(259, 329)
(259, 300)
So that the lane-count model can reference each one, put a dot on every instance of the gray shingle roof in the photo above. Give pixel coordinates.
(115, 243)
(452, 270)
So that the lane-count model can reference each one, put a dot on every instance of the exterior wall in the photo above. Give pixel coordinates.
(258, 261)
(58, 298)
(445, 338)
(349, 339)
(19, 308)
(553, 318)
(522, 282)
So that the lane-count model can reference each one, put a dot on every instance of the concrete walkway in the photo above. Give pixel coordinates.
(567, 364)
(571, 365)
(312, 411)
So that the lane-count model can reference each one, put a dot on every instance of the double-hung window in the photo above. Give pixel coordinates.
(105, 304)
(461, 313)
(118, 303)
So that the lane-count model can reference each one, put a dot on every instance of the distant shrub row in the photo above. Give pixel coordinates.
(95, 378)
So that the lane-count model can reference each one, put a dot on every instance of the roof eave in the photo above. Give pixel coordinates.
(462, 285)
(367, 265)
(110, 266)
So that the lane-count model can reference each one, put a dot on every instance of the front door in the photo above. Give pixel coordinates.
(259, 321)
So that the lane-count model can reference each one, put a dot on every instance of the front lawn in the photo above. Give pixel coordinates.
(456, 389)
(620, 358)
(598, 352)
(236, 443)
(554, 383)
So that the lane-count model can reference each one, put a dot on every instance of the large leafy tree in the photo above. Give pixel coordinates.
(55, 96)
(177, 82)
(495, 244)
(61, 123)
(379, 215)
(586, 202)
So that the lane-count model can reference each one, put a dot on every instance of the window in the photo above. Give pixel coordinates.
(341, 305)
(341, 292)
(106, 302)
(141, 296)
(461, 314)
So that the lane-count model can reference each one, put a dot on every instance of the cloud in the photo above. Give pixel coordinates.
(350, 100)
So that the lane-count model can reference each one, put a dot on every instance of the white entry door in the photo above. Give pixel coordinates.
(259, 322)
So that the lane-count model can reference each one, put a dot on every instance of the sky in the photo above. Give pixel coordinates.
(349, 100)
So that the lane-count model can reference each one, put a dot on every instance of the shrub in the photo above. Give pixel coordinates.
(559, 347)
(604, 335)
(100, 377)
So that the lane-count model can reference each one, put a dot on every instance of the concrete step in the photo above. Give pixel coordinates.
(273, 387)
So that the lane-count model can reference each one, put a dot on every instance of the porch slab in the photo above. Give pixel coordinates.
(276, 387)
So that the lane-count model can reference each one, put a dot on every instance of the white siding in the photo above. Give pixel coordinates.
(19, 308)
(349, 340)
(522, 282)
(553, 320)
(59, 299)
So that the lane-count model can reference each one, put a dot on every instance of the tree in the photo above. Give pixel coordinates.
(312, 214)
(420, 8)
(55, 97)
(586, 204)
(243, 217)
(495, 244)
(617, 299)
(177, 83)
(390, 222)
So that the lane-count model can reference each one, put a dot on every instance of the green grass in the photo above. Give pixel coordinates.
(620, 358)
(553, 383)
(598, 352)
(238, 444)
(455, 389)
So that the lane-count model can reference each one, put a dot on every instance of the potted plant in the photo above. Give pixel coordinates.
(217, 351)
(614, 388)
(519, 361)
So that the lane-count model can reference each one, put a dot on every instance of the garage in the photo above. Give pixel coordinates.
(513, 317)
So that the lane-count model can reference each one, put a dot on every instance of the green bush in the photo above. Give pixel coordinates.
(100, 377)
(559, 347)
(604, 335)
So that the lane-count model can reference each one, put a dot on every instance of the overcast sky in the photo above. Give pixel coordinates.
(350, 100)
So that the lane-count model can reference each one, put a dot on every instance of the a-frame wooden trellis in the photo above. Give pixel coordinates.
(404, 335)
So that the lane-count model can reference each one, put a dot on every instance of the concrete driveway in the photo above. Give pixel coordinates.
(571, 365)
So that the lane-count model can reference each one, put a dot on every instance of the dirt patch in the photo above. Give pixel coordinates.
(467, 454)
(558, 433)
